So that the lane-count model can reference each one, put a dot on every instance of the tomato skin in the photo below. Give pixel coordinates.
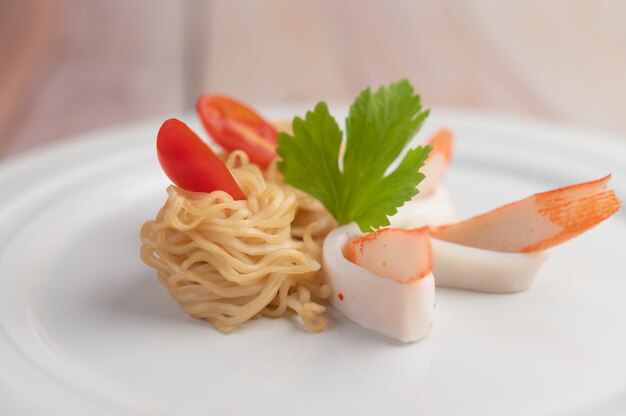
(235, 126)
(190, 163)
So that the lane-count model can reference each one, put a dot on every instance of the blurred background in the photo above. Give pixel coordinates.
(69, 66)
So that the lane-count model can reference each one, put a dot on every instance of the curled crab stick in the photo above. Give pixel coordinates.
(235, 126)
(383, 280)
(470, 268)
(436, 209)
(502, 250)
(538, 222)
(436, 166)
(392, 253)
(433, 205)
(190, 163)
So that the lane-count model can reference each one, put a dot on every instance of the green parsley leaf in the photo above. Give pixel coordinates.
(379, 127)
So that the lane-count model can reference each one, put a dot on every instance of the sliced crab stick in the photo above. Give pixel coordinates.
(502, 250)
(434, 209)
(470, 268)
(383, 280)
(437, 164)
(432, 206)
(538, 222)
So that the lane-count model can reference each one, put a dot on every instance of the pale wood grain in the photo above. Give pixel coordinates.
(23, 62)
(559, 60)
(117, 61)
(280, 50)
(569, 57)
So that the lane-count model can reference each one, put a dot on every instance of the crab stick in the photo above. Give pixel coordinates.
(437, 164)
(432, 206)
(503, 250)
(383, 280)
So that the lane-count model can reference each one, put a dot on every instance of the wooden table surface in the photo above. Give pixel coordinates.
(69, 66)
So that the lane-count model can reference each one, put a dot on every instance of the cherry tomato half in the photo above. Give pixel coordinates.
(235, 126)
(190, 163)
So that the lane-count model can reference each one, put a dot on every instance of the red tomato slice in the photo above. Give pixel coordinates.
(190, 163)
(235, 126)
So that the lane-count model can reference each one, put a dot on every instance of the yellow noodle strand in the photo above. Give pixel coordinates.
(230, 261)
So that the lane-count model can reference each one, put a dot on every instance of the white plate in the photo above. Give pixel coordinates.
(87, 329)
